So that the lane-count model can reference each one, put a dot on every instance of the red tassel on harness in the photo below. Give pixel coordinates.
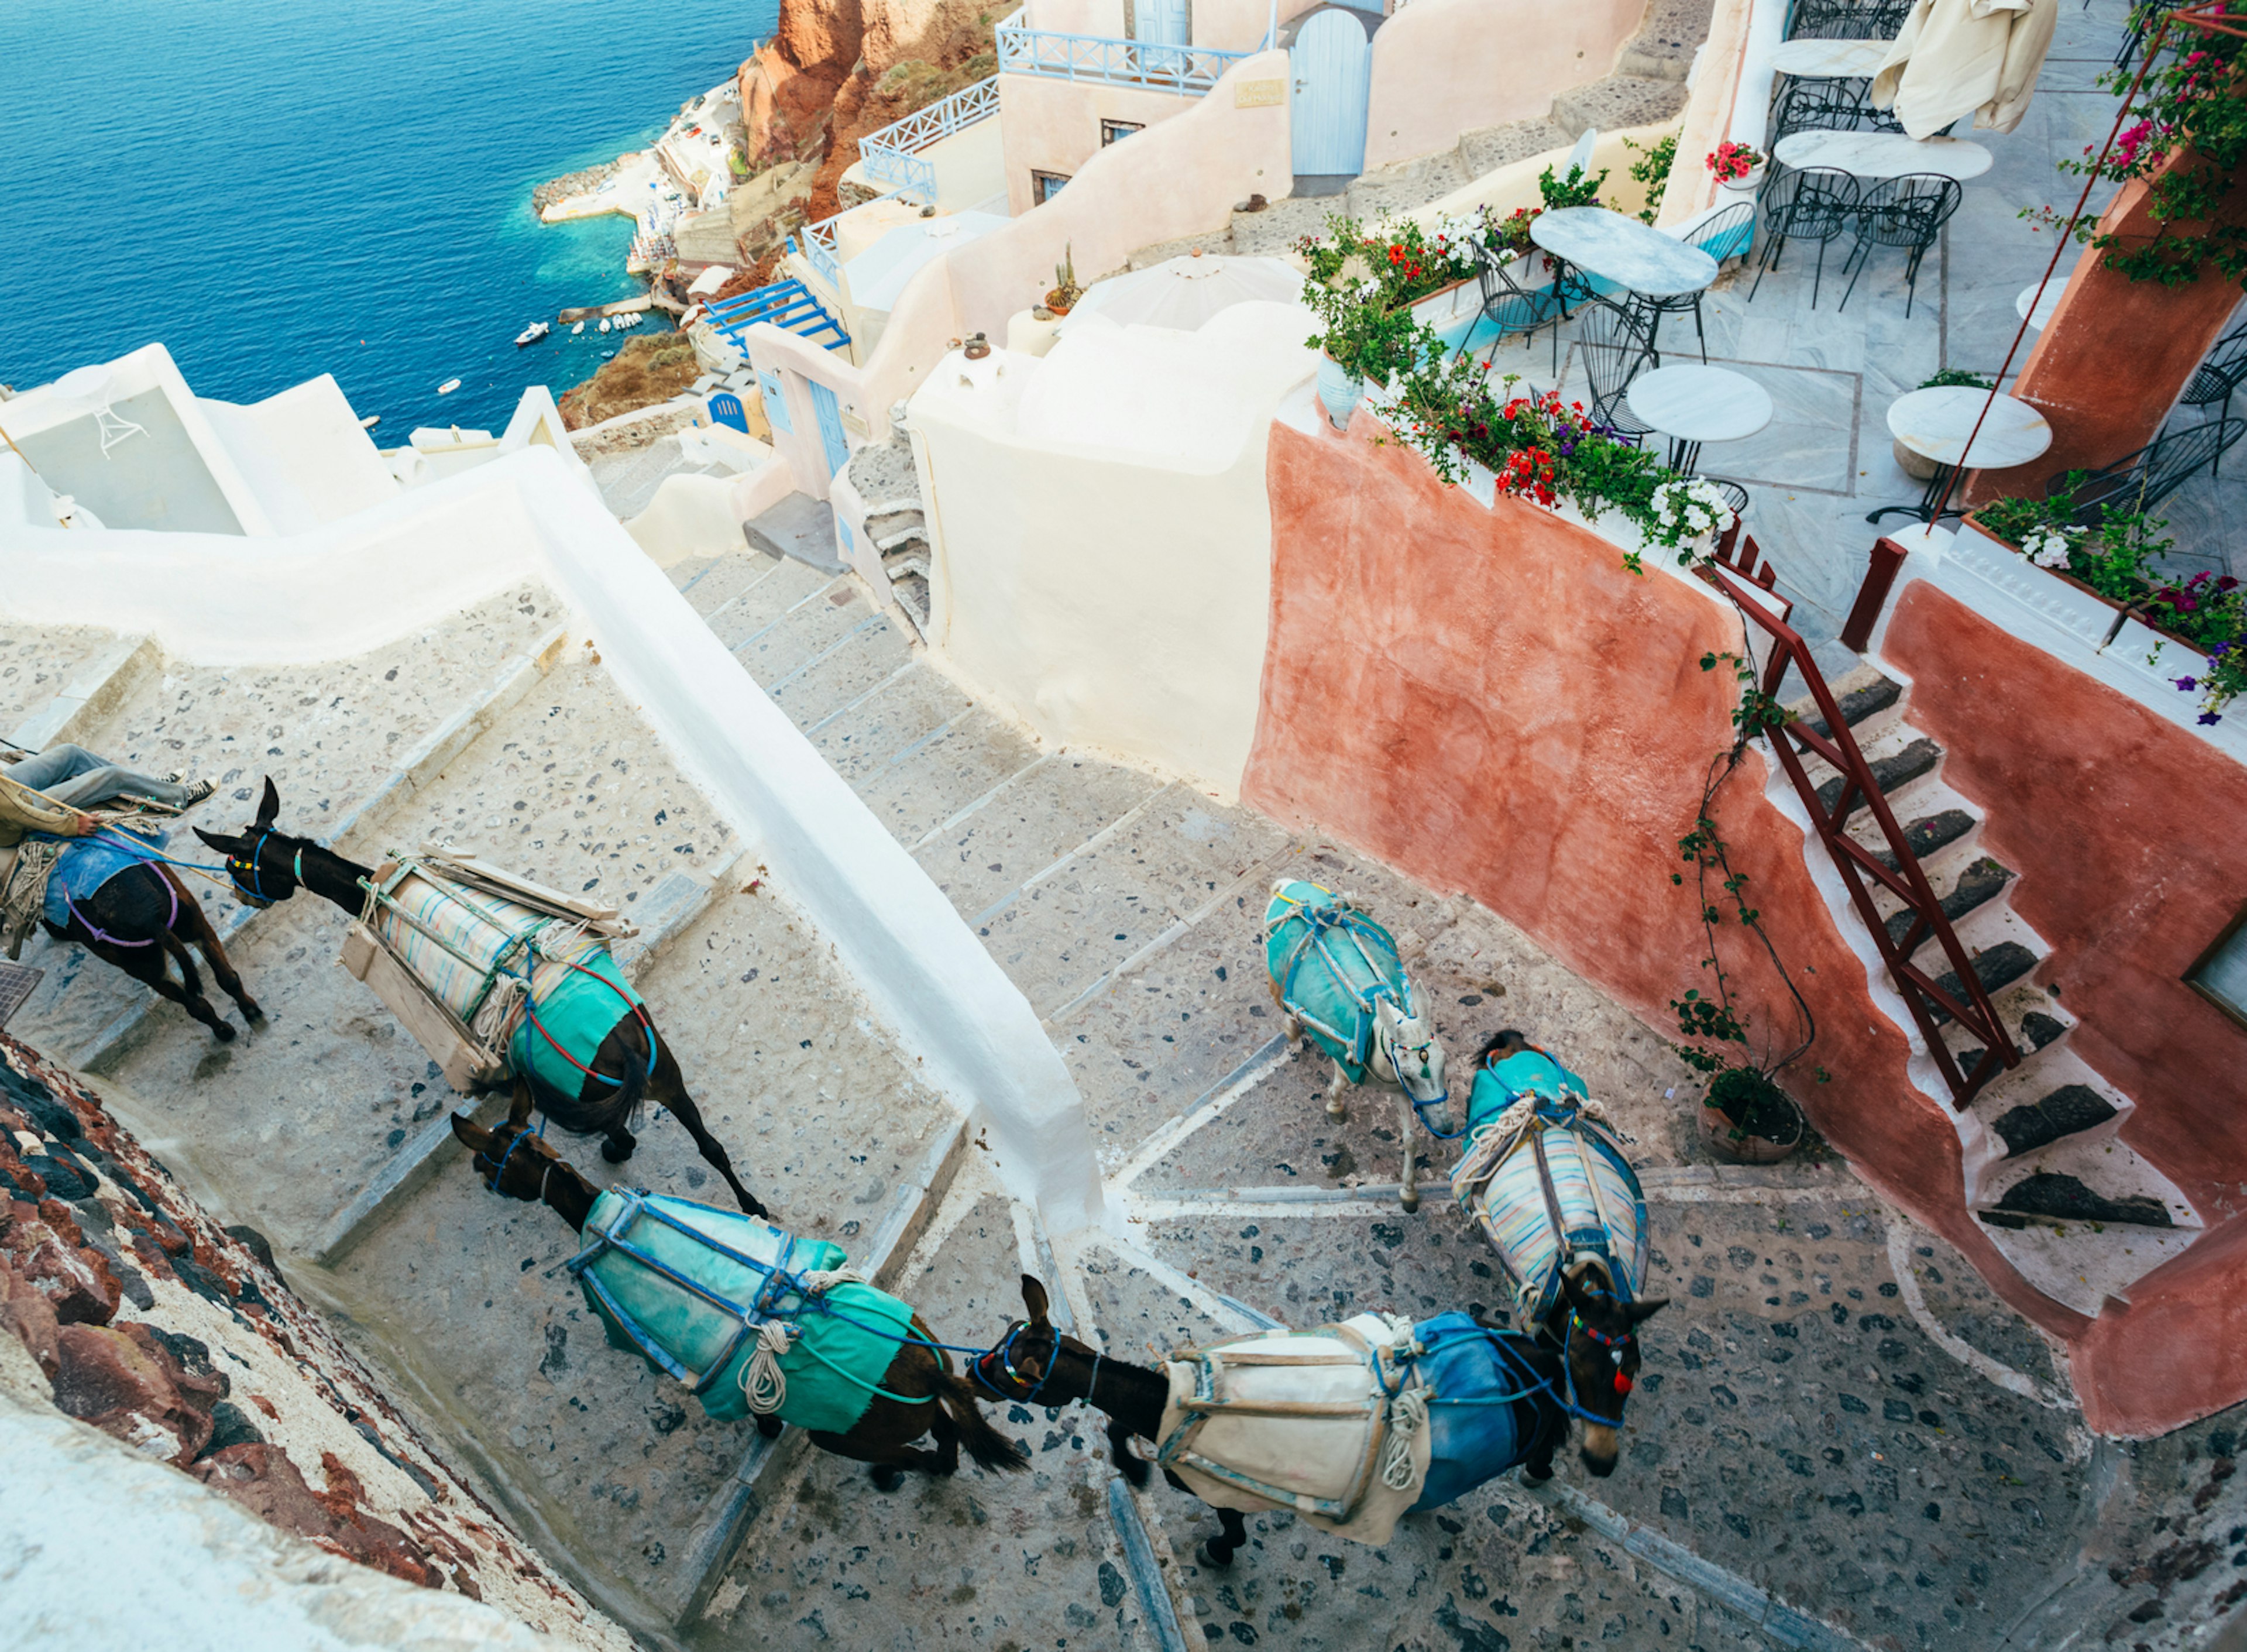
(1623, 1383)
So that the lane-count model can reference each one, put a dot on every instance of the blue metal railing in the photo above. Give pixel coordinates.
(1189, 70)
(890, 155)
(818, 247)
(789, 304)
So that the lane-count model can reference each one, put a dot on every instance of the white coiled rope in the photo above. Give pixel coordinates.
(1408, 1415)
(764, 1385)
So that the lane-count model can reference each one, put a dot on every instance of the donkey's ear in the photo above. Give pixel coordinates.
(472, 1135)
(221, 842)
(1646, 1310)
(1033, 1298)
(268, 806)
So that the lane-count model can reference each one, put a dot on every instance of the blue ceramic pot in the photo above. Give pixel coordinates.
(1340, 391)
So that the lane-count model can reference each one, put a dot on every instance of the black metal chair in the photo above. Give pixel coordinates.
(2141, 480)
(1814, 204)
(1728, 234)
(1735, 496)
(2219, 374)
(1511, 308)
(1907, 211)
(1614, 350)
(1847, 19)
(1821, 103)
(2145, 16)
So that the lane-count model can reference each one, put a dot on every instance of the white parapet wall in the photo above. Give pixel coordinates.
(383, 573)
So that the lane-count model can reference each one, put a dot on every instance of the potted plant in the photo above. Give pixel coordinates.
(1747, 1119)
(1363, 287)
(1736, 167)
(1917, 465)
(1062, 297)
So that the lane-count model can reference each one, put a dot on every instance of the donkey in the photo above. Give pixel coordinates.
(1336, 976)
(1581, 1363)
(141, 917)
(918, 1395)
(268, 865)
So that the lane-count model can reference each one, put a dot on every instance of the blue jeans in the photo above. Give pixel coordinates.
(74, 775)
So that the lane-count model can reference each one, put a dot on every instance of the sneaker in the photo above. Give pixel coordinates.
(198, 791)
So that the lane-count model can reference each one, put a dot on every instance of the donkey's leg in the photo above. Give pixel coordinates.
(1337, 1088)
(193, 925)
(670, 1088)
(890, 1459)
(1234, 1532)
(1409, 1193)
(617, 1146)
(147, 963)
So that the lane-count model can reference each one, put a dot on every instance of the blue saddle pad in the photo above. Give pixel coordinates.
(1473, 1435)
(1524, 1073)
(86, 865)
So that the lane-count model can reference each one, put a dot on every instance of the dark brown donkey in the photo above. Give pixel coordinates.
(931, 1399)
(140, 917)
(270, 865)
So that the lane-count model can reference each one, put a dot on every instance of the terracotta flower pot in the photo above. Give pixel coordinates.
(1734, 1145)
(1779, 1127)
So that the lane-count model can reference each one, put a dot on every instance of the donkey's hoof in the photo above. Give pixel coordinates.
(888, 1478)
(1530, 1473)
(617, 1152)
(768, 1426)
(1337, 1109)
(250, 1012)
(1209, 1556)
(1409, 1204)
(222, 1032)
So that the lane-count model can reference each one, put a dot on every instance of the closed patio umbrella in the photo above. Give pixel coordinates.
(1182, 293)
(1955, 57)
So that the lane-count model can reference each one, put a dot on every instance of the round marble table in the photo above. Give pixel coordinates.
(2038, 312)
(1829, 59)
(1623, 250)
(1883, 154)
(1691, 404)
(1936, 424)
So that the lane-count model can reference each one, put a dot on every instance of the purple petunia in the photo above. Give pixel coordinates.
(2188, 684)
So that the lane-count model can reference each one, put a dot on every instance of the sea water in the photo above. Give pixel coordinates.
(278, 188)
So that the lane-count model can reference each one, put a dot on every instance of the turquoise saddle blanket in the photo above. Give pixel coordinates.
(1330, 964)
(85, 864)
(685, 1286)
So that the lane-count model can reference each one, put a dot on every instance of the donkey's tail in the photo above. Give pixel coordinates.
(990, 1449)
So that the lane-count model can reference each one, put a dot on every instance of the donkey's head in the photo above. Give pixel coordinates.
(265, 863)
(512, 1161)
(1405, 1040)
(1600, 1344)
(1035, 1364)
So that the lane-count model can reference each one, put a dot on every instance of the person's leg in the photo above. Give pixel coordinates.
(92, 782)
(52, 767)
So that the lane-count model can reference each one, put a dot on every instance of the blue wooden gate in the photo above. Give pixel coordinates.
(1333, 64)
(776, 402)
(1162, 22)
(831, 427)
(726, 408)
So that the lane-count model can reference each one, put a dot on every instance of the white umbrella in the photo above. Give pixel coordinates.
(1955, 58)
(1182, 293)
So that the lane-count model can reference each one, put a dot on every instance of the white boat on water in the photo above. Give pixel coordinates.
(575, 331)
(448, 386)
(605, 324)
(370, 421)
(532, 334)
(606, 354)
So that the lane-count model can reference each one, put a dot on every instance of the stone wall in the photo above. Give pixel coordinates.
(154, 1324)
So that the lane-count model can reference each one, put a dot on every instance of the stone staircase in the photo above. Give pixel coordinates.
(886, 477)
(1646, 85)
(2079, 1211)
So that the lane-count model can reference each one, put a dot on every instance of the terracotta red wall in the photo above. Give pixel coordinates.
(2130, 837)
(2108, 367)
(1487, 701)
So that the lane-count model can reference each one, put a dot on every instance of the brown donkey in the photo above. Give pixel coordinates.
(918, 1395)
(143, 916)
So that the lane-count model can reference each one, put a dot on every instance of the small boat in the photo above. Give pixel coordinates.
(606, 354)
(575, 331)
(532, 334)
(448, 386)
(605, 324)
(370, 421)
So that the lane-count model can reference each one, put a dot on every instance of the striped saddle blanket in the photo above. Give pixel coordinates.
(688, 1287)
(1329, 963)
(1548, 1182)
(1326, 1423)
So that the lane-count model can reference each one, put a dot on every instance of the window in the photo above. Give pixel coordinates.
(2220, 974)
(1111, 130)
(1044, 186)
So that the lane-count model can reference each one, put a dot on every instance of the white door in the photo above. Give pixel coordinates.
(1333, 63)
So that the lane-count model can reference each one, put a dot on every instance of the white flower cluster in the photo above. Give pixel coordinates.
(1369, 288)
(2046, 548)
(1463, 227)
(1692, 507)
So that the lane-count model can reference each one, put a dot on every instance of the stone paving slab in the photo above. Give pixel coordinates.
(718, 580)
(804, 632)
(767, 601)
(864, 745)
(1064, 936)
(1035, 820)
(37, 660)
(981, 1559)
(866, 658)
(972, 755)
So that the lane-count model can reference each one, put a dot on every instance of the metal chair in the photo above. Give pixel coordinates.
(2219, 375)
(1615, 351)
(1510, 307)
(1847, 19)
(2140, 481)
(1907, 211)
(1820, 103)
(1814, 204)
(1728, 234)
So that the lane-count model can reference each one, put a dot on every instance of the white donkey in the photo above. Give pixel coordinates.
(1336, 975)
